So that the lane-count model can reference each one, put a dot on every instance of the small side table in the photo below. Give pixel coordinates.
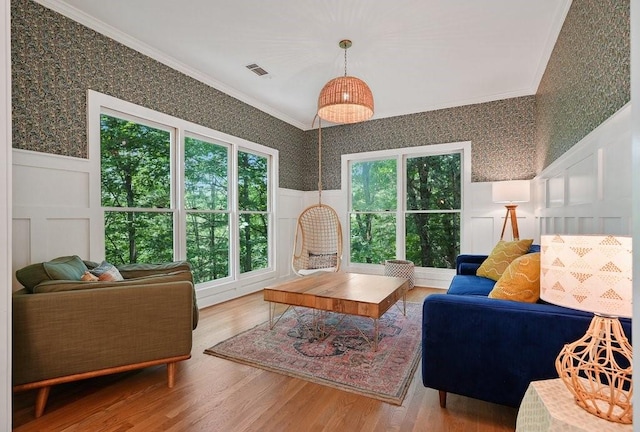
(549, 406)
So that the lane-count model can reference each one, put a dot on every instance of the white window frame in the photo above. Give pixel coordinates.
(99, 103)
(401, 155)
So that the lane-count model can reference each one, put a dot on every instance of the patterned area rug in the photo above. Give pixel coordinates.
(345, 359)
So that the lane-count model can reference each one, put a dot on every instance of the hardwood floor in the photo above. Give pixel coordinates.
(213, 394)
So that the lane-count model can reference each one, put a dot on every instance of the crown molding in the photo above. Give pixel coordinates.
(135, 44)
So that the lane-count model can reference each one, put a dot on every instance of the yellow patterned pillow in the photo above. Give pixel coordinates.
(501, 256)
(520, 281)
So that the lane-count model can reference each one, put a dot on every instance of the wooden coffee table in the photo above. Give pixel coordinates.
(346, 293)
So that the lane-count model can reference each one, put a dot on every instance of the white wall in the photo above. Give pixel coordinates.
(51, 209)
(5, 218)
(635, 121)
(588, 190)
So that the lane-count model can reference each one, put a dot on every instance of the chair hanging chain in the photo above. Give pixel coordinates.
(319, 161)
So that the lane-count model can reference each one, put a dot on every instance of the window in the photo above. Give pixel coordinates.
(373, 211)
(407, 204)
(136, 191)
(253, 212)
(172, 190)
(433, 206)
(206, 196)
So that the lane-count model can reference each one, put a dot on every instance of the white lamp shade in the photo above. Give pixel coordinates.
(512, 191)
(589, 273)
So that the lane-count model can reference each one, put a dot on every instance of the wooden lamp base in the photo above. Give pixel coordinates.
(511, 215)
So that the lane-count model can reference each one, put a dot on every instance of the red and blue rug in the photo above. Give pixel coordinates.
(345, 359)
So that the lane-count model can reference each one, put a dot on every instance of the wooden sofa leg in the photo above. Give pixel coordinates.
(41, 400)
(443, 398)
(171, 374)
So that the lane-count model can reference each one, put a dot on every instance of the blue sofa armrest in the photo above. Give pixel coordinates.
(468, 264)
(491, 349)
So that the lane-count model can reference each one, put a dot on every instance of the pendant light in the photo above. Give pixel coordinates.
(345, 99)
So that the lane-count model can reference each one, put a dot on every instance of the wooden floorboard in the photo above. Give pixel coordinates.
(213, 394)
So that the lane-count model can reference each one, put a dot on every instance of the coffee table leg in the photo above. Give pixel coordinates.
(376, 332)
(271, 308)
(404, 303)
(272, 314)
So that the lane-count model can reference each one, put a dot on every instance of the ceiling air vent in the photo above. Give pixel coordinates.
(257, 69)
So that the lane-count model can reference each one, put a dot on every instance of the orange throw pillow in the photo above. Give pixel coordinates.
(520, 281)
(501, 256)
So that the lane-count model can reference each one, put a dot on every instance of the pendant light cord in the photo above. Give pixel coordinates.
(345, 62)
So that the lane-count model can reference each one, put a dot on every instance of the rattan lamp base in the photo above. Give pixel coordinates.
(597, 370)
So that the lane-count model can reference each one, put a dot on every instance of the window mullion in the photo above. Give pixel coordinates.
(178, 193)
(234, 222)
(400, 207)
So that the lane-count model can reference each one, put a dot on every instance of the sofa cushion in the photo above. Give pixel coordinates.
(66, 285)
(62, 268)
(130, 271)
(520, 281)
(470, 285)
(501, 256)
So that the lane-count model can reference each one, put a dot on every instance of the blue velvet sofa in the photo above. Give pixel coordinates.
(491, 349)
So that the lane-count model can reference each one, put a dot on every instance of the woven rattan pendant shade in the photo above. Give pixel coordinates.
(345, 99)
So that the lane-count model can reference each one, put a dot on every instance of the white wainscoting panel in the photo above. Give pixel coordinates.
(56, 187)
(52, 213)
(68, 237)
(483, 233)
(290, 204)
(20, 246)
(582, 184)
(588, 189)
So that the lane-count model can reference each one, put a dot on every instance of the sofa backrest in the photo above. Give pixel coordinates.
(62, 268)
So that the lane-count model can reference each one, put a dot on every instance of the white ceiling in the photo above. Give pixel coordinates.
(416, 55)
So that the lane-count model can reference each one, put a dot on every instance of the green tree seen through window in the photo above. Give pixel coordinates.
(431, 209)
(135, 178)
(206, 167)
(253, 204)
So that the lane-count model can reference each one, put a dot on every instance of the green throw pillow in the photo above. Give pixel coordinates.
(65, 268)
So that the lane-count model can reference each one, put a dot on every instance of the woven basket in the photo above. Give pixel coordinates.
(401, 269)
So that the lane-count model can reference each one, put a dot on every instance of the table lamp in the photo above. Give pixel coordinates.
(510, 192)
(593, 273)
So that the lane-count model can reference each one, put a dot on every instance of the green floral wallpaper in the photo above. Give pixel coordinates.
(55, 60)
(587, 78)
(501, 135)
